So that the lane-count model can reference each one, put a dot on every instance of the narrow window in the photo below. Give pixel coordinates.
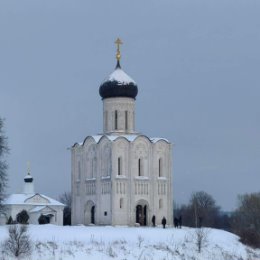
(106, 120)
(77, 189)
(160, 203)
(79, 171)
(160, 167)
(116, 117)
(139, 167)
(119, 172)
(126, 120)
(121, 203)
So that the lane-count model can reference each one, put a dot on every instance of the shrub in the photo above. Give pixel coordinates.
(22, 217)
(18, 244)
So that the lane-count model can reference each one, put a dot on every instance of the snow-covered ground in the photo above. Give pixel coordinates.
(132, 243)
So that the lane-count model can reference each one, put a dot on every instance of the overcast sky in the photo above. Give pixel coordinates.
(197, 66)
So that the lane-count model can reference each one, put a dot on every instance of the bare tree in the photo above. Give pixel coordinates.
(204, 209)
(3, 165)
(246, 219)
(200, 211)
(201, 238)
(18, 244)
(65, 198)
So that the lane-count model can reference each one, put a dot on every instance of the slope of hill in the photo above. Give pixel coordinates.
(131, 243)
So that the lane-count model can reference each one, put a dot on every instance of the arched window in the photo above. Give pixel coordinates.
(126, 120)
(116, 118)
(160, 203)
(160, 168)
(121, 203)
(119, 166)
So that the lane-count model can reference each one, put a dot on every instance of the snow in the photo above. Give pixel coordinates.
(37, 209)
(28, 176)
(21, 198)
(120, 76)
(118, 243)
(128, 137)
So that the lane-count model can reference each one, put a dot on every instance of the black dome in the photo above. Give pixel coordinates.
(28, 178)
(118, 84)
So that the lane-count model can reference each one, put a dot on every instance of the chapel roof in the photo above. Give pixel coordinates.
(22, 199)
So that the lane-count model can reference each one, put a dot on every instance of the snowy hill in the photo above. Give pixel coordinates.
(96, 243)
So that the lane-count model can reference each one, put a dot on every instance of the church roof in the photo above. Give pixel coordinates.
(25, 199)
(128, 137)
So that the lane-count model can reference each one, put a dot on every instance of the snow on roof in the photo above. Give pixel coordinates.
(128, 137)
(37, 209)
(120, 76)
(28, 176)
(21, 198)
(156, 139)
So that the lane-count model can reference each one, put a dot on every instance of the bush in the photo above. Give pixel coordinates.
(9, 221)
(250, 237)
(22, 217)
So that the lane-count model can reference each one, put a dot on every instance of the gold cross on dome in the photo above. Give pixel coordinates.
(118, 42)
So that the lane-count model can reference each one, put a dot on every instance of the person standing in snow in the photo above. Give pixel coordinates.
(163, 222)
(180, 221)
(153, 220)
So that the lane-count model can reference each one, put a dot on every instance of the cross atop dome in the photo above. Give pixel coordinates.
(118, 42)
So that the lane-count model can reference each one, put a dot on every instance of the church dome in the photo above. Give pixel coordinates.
(28, 178)
(118, 84)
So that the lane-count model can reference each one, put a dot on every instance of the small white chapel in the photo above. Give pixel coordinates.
(37, 205)
(122, 176)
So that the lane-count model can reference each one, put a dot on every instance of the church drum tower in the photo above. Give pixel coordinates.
(121, 177)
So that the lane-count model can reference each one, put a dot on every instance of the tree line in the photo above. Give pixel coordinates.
(202, 211)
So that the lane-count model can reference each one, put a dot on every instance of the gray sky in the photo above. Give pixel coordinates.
(197, 65)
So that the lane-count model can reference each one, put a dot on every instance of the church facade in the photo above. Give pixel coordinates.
(121, 177)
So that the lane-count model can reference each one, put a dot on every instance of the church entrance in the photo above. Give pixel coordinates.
(45, 219)
(141, 214)
(89, 213)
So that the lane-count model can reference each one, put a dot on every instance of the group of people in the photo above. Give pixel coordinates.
(177, 221)
(163, 221)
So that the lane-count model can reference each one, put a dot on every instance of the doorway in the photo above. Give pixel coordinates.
(93, 215)
(141, 214)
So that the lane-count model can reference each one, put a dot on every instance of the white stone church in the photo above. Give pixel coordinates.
(121, 177)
